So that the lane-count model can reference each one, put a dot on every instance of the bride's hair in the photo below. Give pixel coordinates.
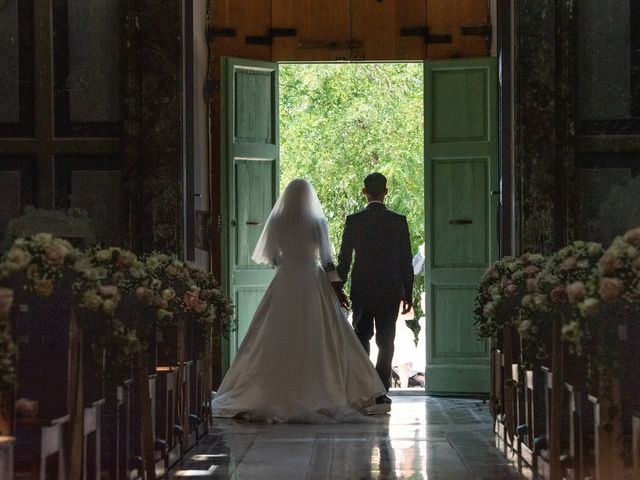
(296, 212)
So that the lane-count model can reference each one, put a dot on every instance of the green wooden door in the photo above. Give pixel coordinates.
(461, 206)
(250, 172)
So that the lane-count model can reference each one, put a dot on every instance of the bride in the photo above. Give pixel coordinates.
(300, 360)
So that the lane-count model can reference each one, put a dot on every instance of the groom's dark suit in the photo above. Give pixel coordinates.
(382, 276)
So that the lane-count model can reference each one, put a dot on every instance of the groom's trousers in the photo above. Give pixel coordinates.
(383, 316)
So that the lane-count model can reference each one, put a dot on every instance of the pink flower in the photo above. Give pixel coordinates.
(192, 300)
(611, 289)
(171, 270)
(124, 262)
(635, 264)
(54, 255)
(632, 237)
(576, 292)
(531, 285)
(569, 263)
(558, 294)
(531, 270)
(608, 263)
(108, 290)
(491, 273)
(504, 281)
(144, 294)
(6, 300)
(511, 290)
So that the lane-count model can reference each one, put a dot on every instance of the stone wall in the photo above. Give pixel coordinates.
(576, 114)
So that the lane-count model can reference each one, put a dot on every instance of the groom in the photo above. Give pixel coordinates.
(382, 274)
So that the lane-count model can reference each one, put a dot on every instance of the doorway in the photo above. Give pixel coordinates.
(461, 201)
(341, 121)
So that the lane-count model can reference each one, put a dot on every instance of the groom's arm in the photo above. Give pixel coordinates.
(346, 251)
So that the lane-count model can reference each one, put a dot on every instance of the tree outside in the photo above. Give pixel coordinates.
(339, 122)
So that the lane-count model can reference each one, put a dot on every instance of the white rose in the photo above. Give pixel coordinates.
(109, 306)
(524, 327)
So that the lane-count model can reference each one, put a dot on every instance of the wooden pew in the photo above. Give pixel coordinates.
(166, 393)
(116, 421)
(41, 449)
(636, 444)
(6, 457)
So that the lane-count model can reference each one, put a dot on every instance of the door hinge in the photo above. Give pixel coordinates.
(331, 44)
(213, 32)
(426, 34)
(271, 34)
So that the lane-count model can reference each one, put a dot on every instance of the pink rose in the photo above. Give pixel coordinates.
(569, 263)
(576, 292)
(108, 290)
(192, 300)
(54, 255)
(491, 273)
(171, 270)
(611, 289)
(531, 270)
(504, 281)
(558, 294)
(144, 294)
(124, 262)
(6, 300)
(531, 285)
(635, 264)
(511, 290)
(608, 263)
(632, 237)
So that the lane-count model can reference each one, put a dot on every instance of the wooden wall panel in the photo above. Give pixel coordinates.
(377, 25)
(411, 13)
(447, 17)
(474, 13)
(316, 22)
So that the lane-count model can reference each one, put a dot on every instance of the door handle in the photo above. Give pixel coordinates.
(253, 223)
(461, 222)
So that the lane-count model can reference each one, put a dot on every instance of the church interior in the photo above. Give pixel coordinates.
(139, 158)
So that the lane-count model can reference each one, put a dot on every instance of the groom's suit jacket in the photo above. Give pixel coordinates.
(382, 270)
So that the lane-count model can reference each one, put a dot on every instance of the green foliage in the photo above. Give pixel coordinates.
(340, 122)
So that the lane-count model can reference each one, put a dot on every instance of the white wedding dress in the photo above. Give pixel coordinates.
(300, 360)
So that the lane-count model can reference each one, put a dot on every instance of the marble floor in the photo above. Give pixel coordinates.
(423, 438)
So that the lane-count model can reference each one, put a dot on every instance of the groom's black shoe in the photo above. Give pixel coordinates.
(383, 399)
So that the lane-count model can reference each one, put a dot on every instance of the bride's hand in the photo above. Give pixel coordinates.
(342, 297)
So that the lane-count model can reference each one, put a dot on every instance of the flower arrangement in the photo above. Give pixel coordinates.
(105, 286)
(502, 288)
(559, 290)
(187, 289)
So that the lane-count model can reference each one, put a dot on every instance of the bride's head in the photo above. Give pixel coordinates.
(299, 200)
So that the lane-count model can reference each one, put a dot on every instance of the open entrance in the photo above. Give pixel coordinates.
(461, 195)
(339, 122)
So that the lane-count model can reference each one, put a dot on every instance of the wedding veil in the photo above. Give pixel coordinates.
(297, 215)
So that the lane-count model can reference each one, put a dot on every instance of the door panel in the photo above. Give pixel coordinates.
(461, 216)
(250, 170)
